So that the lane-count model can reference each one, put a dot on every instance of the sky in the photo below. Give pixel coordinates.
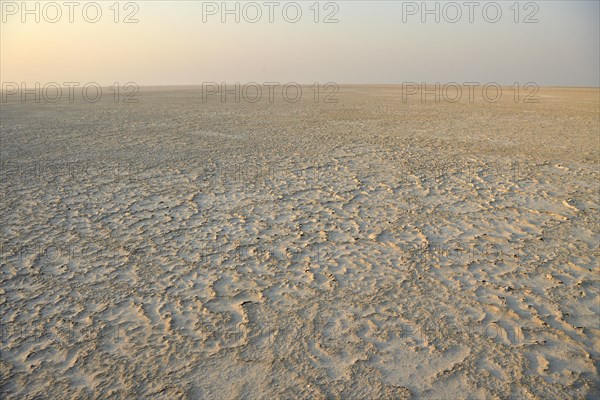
(549, 43)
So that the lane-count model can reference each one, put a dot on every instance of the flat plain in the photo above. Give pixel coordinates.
(369, 248)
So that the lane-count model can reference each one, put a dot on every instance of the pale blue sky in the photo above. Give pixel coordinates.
(370, 44)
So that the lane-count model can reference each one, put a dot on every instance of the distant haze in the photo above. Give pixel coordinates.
(373, 42)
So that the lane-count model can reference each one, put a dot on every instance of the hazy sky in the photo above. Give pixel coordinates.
(373, 42)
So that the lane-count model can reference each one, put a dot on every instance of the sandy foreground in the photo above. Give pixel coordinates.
(369, 248)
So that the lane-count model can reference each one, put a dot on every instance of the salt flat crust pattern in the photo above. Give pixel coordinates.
(372, 248)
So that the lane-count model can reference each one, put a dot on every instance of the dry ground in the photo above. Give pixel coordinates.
(369, 248)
